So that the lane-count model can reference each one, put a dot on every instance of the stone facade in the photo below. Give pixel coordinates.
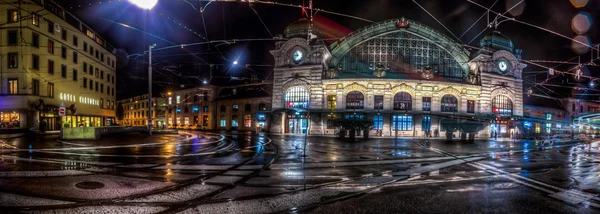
(370, 65)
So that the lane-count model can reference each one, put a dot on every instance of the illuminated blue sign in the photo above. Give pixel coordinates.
(527, 124)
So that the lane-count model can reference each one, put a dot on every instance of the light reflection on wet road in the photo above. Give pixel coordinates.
(248, 173)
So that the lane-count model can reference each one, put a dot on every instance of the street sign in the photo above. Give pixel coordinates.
(61, 111)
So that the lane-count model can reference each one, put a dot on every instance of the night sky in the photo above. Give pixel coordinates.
(176, 22)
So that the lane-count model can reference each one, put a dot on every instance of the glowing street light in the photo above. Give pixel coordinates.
(144, 4)
(235, 62)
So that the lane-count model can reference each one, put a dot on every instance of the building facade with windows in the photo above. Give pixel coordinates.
(191, 108)
(135, 111)
(244, 107)
(408, 78)
(51, 58)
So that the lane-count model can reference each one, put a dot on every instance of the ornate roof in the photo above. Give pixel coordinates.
(497, 41)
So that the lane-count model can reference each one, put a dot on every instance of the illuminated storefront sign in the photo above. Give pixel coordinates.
(83, 100)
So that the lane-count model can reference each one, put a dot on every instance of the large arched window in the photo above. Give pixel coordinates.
(502, 105)
(449, 103)
(296, 97)
(355, 100)
(402, 101)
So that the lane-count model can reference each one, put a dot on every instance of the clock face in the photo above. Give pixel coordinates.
(503, 65)
(297, 56)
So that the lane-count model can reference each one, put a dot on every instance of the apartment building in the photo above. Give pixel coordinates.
(191, 108)
(49, 58)
(135, 111)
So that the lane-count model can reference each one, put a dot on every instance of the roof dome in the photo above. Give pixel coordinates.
(298, 28)
(498, 41)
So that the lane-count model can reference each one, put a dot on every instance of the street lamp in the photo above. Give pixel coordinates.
(150, 105)
(144, 4)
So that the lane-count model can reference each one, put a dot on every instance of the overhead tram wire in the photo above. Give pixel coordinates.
(474, 23)
(532, 25)
(261, 21)
(438, 21)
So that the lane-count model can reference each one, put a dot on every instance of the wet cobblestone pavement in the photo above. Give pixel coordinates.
(198, 172)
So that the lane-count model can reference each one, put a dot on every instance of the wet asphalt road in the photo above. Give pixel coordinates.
(199, 172)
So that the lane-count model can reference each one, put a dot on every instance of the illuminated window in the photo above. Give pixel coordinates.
(13, 16)
(222, 121)
(402, 101)
(170, 100)
(205, 109)
(538, 128)
(35, 19)
(548, 127)
(426, 123)
(51, 90)
(331, 102)
(470, 106)
(296, 97)
(378, 122)
(178, 121)
(449, 103)
(355, 100)
(178, 99)
(248, 121)
(234, 107)
(170, 121)
(401, 123)
(195, 109)
(426, 103)
(548, 116)
(502, 106)
(89, 33)
(234, 121)
(13, 86)
(186, 121)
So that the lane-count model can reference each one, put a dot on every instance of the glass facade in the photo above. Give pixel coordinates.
(401, 52)
(296, 97)
(502, 106)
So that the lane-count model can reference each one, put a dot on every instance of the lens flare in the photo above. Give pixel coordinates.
(517, 10)
(579, 3)
(144, 4)
(578, 47)
(581, 23)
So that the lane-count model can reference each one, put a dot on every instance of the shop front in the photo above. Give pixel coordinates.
(82, 121)
(10, 120)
